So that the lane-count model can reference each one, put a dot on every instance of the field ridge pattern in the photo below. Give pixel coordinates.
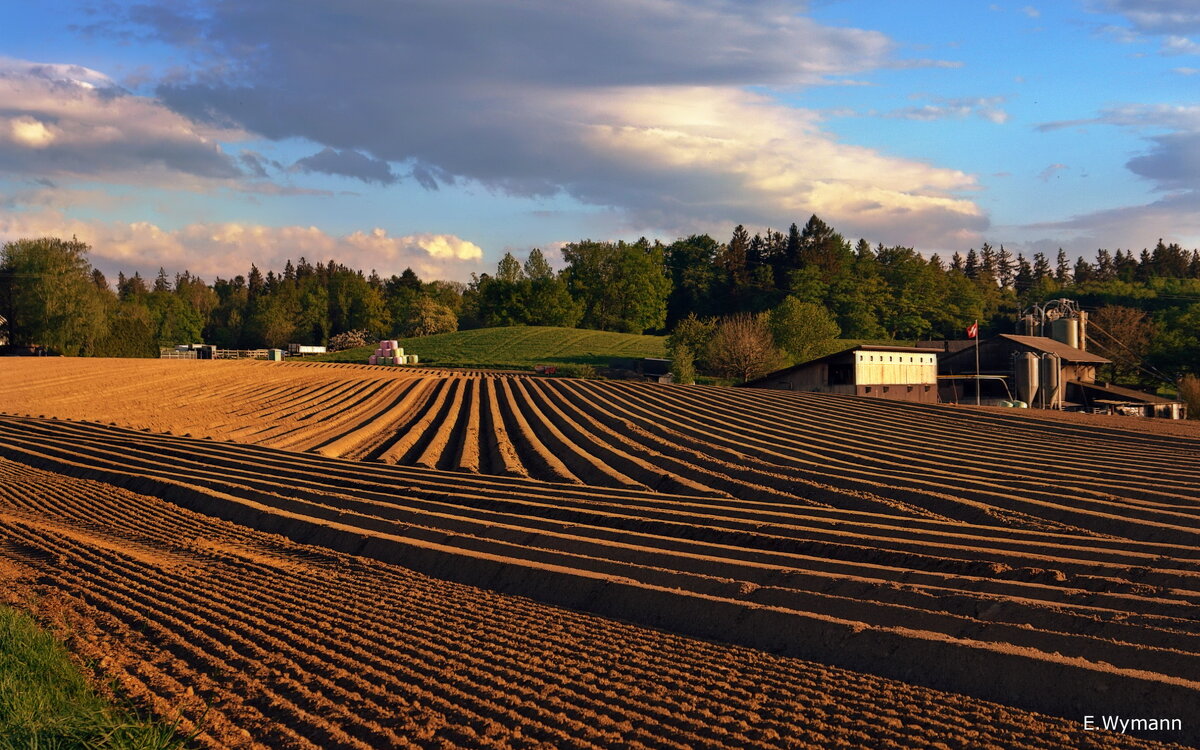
(983, 553)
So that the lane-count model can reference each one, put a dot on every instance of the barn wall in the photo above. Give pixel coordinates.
(885, 368)
(922, 393)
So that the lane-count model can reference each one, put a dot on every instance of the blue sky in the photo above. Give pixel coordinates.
(437, 134)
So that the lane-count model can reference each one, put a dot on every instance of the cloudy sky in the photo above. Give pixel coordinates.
(436, 134)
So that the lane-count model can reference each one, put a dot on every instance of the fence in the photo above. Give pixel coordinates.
(217, 354)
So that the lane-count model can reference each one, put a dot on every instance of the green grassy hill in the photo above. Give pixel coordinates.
(518, 347)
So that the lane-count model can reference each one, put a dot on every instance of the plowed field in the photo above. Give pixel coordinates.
(1047, 565)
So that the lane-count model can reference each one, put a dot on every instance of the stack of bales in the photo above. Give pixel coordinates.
(389, 352)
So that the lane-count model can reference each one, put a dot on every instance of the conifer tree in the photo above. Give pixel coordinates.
(1006, 267)
(1062, 268)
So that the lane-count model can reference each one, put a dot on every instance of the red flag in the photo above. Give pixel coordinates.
(973, 330)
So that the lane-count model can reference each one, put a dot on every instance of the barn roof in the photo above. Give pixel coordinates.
(1120, 393)
(1051, 346)
(858, 348)
(1034, 343)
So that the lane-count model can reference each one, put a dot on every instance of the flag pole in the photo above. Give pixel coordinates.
(977, 362)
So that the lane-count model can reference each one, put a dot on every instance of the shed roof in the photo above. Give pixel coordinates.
(1037, 344)
(1120, 393)
(1052, 346)
(858, 348)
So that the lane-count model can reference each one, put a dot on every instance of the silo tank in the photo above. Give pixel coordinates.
(1026, 371)
(1066, 330)
(1051, 379)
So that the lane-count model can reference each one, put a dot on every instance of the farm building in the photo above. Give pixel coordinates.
(999, 358)
(901, 373)
(1044, 373)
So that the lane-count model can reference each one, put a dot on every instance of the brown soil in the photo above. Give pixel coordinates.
(1045, 562)
(270, 643)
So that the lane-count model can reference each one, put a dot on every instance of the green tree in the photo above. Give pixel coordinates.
(692, 334)
(802, 330)
(683, 365)
(695, 275)
(548, 302)
(622, 287)
(49, 296)
(430, 317)
(353, 303)
(172, 320)
(130, 332)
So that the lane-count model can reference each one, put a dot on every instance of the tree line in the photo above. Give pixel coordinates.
(810, 276)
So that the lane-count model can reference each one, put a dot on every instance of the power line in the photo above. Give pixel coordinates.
(1138, 363)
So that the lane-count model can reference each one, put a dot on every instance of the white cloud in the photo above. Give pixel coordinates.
(67, 120)
(988, 108)
(1155, 16)
(1180, 45)
(722, 156)
(31, 132)
(228, 248)
(639, 106)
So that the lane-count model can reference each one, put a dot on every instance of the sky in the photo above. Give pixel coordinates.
(205, 135)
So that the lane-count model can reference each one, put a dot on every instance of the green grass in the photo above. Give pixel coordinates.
(47, 704)
(518, 348)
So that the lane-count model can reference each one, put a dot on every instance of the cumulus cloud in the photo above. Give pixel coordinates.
(229, 248)
(58, 120)
(644, 107)
(714, 154)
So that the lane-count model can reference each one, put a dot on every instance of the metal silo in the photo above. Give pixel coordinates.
(1066, 330)
(1051, 380)
(1026, 371)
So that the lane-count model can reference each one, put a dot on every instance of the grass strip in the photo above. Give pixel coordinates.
(46, 702)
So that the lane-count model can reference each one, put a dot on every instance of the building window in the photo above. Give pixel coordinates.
(867, 389)
(910, 389)
(886, 389)
(927, 389)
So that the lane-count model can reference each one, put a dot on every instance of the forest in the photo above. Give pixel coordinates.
(1146, 306)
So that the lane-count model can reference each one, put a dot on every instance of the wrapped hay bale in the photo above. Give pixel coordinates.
(412, 359)
(372, 359)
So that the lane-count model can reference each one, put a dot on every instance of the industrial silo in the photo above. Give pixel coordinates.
(1051, 380)
(1026, 371)
(1066, 330)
